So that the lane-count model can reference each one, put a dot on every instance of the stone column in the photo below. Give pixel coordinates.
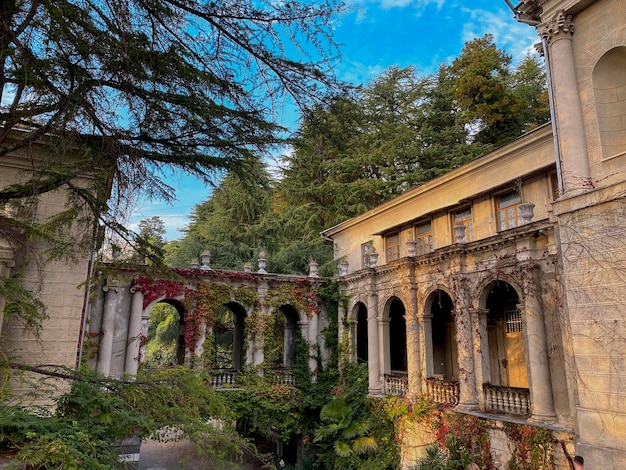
(384, 342)
(557, 34)
(194, 359)
(313, 335)
(480, 350)
(373, 358)
(105, 350)
(426, 338)
(542, 400)
(134, 340)
(467, 378)
(6, 263)
(144, 332)
(413, 355)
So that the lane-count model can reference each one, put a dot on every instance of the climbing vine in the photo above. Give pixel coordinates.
(302, 297)
(533, 447)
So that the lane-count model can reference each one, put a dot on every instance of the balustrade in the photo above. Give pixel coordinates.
(223, 378)
(281, 376)
(443, 391)
(507, 400)
(396, 384)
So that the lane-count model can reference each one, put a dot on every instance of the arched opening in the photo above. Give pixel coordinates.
(445, 365)
(228, 348)
(609, 88)
(280, 348)
(165, 336)
(505, 336)
(361, 333)
(397, 337)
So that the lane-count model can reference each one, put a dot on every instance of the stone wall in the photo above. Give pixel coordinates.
(591, 228)
(415, 437)
(59, 284)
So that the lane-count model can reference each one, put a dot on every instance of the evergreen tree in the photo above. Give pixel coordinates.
(390, 146)
(229, 223)
(126, 88)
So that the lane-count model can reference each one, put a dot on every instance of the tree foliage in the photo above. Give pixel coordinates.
(97, 412)
(230, 223)
(125, 89)
(357, 150)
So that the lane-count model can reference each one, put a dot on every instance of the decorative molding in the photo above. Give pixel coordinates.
(561, 26)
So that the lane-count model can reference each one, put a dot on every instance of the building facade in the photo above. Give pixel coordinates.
(58, 284)
(456, 291)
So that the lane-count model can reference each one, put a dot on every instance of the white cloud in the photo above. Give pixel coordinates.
(516, 38)
(388, 4)
(357, 72)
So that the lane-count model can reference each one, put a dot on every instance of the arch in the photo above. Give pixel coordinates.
(165, 334)
(505, 335)
(360, 332)
(440, 308)
(609, 89)
(485, 285)
(396, 333)
(285, 325)
(228, 333)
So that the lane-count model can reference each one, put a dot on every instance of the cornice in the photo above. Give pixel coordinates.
(501, 240)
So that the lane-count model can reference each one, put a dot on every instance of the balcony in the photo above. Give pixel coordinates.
(222, 379)
(443, 391)
(507, 400)
(280, 376)
(396, 384)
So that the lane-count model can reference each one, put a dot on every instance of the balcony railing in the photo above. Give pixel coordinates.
(280, 376)
(224, 378)
(507, 400)
(396, 384)
(443, 391)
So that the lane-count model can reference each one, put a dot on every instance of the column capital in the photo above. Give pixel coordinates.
(561, 26)
(7, 257)
(112, 285)
(477, 311)
(136, 289)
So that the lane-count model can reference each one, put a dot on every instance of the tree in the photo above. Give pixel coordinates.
(229, 224)
(127, 88)
(391, 143)
(497, 104)
(153, 230)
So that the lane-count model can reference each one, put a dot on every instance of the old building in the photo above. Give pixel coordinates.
(456, 291)
(58, 284)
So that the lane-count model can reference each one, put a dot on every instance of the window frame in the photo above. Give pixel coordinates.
(392, 250)
(507, 212)
(424, 240)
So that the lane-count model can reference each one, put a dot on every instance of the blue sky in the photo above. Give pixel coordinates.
(375, 35)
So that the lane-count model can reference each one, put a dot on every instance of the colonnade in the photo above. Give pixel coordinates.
(121, 316)
(472, 345)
